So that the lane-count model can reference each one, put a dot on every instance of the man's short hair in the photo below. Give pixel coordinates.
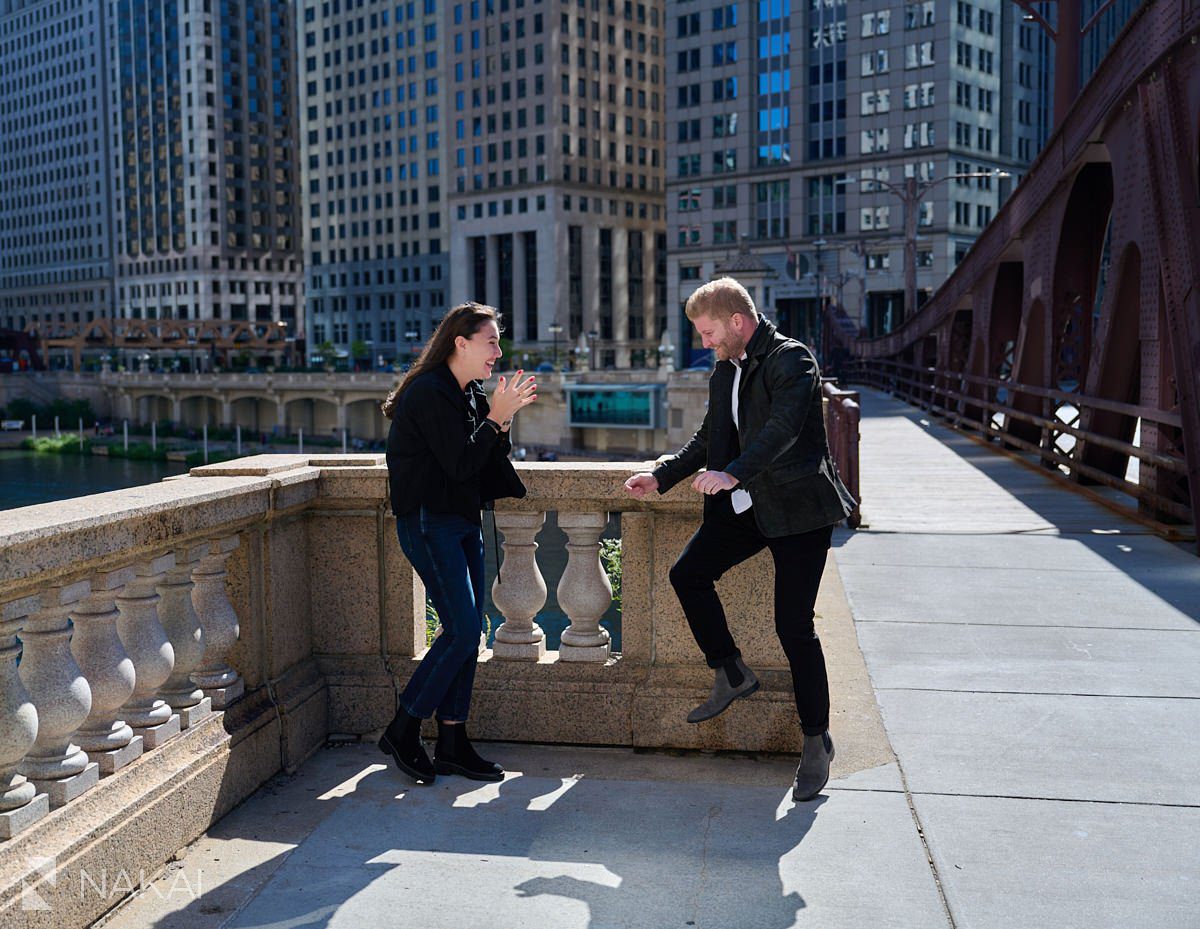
(719, 300)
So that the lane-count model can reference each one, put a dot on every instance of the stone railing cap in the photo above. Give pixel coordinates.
(88, 534)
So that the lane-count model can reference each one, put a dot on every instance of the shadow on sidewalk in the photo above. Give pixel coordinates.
(1169, 571)
(552, 849)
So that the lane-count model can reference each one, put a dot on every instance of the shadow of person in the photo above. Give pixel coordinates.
(719, 871)
(558, 849)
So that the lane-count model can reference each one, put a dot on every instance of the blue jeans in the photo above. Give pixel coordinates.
(447, 553)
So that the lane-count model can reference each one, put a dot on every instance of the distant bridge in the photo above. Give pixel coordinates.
(219, 338)
(286, 402)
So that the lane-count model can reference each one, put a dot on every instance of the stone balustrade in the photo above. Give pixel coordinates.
(166, 649)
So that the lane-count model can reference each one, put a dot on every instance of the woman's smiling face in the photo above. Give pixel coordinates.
(480, 352)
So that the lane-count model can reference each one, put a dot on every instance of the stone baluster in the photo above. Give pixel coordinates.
(177, 613)
(519, 590)
(153, 656)
(20, 803)
(104, 735)
(55, 764)
(584, 592)
(220, 624)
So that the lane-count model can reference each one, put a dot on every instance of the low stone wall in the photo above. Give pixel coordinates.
(179, 643)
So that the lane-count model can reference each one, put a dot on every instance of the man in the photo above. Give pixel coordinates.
(769, 484)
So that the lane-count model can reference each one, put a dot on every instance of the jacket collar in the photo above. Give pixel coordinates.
(446, 376)
(760, 342)
(758, 346)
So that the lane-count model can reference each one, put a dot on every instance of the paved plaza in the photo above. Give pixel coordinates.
(1034, 661)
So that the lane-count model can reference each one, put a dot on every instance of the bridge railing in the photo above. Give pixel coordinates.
(165, 649)
(988, 406)
(842, 418)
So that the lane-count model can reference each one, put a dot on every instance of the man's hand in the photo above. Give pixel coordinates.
(713, 482)
(641, 484)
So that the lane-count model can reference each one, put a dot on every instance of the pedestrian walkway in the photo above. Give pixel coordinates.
(1037, 663)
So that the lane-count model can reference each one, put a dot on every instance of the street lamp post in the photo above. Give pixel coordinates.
(912, 201)
(911, 195)
(592, 336)
(818, 330)
(555, 330)
(666, 351)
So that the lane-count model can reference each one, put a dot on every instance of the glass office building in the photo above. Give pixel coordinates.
(205, 161)
(56, 249)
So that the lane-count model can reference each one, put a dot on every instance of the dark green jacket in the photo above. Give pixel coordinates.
(784, 460)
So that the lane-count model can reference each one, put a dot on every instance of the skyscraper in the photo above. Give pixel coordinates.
(204, 159)
(797, 126)
(558, 114)
(56, 258)
(372, 104)
(506, 151)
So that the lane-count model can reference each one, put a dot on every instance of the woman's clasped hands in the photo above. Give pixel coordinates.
(510, 397)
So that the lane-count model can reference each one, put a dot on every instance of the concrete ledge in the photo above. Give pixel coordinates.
(131, 824)
(75, 536)
(104, 845)
(551, 701)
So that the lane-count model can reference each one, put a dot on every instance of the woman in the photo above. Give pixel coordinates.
(447, 456)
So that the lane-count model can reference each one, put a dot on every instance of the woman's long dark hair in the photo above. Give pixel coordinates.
(464, 320)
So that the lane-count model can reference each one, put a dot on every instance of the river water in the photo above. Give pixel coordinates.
(27, 478)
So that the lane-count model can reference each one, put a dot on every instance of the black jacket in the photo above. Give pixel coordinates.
(784, 458)
(440, 453)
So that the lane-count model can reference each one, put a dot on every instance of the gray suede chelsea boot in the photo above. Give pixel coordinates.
(724, 693)
(812, 773)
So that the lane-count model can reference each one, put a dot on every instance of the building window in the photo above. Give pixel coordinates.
(918, 55)
(875, 101)
(918, 95)
(879, 23)
(689, 199)
(725, 161)
(875, 140)
(917, 15)
(724, 232)
(875, 217)
(919, 135)
(875, 62)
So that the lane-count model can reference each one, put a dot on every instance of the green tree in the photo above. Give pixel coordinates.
(610, 557)
(327, 353)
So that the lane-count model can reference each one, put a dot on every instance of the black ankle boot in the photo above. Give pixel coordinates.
(402, 740)
(454, 754)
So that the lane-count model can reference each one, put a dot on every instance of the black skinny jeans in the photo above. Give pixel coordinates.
(726, 539)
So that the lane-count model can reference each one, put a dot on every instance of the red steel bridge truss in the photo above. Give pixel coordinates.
(1071, 331)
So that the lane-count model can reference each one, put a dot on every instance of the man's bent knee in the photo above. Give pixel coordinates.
(684, 576)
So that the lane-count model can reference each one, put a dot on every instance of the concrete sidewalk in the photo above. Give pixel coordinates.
(1037, 662)
(572, 838)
